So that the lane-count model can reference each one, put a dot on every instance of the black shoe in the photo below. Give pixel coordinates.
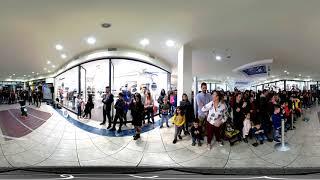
(255, 144)
(186, 133)
(245, 140)
(270, 140)
(168, 126)
(102, 123)
(174, 141)
(109, 127)
(193, 144)
(119, 131)
(113, 129)
(161, 126)
(149, 122)
(179, 137)
(199, 144)
(261, 142)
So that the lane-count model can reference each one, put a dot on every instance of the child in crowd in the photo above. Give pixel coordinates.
(120, 110)
(246, 127)
(258, 133)
(286, 111)
(165, 108)
(196, 133)
(178, 121)
(23, 108)
(79, 103)
(276, 120)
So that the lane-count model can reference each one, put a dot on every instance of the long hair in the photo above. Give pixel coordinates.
(181, 112)
(138, 96)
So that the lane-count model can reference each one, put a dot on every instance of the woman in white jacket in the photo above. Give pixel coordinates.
(216, 110)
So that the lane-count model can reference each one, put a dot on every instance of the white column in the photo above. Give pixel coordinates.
(185, 79)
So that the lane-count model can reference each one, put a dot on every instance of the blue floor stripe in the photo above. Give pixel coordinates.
(106, 132)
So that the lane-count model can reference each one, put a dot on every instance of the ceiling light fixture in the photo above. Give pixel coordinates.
(170, 43)
(24, 75)
(48, 62)
(49, 71)
(32, 72)
(63, 56)
(285, 71)
(59, 47)
(299, 74)
(14, 74)
(288, 73)
(106, 25)
(218, 58)
(37, 73)
(53, 66)
(45, 69)
(145, 42)
(91, 40)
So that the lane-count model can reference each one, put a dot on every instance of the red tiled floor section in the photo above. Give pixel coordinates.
(40, 114)
(29, 121)
(11, 127)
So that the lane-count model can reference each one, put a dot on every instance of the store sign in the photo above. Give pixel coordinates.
(261, 69)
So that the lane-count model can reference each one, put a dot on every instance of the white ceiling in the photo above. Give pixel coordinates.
(286, 30)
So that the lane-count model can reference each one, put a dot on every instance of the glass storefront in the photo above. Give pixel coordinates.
(67, 87)
(126, 75)
(295, 85)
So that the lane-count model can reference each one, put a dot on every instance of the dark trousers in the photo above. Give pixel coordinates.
(79, 110)
(149, 113)
(107, 113)
(211, 129)
(116, 117)
(86, 113)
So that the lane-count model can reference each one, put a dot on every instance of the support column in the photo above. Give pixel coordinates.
(184, 72)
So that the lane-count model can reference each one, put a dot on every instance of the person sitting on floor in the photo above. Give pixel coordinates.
(258, 133)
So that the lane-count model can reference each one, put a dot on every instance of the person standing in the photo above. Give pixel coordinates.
(148, 105)
(107, 101)
(119, 106)
(202, 99)
(165, 108)
(216, 117)
(188, 111)
(160, 100)
(88, 107)
(137, 111)
(127, 99)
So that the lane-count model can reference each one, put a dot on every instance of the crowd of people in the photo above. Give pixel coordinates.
(34, 97)
(223, 116)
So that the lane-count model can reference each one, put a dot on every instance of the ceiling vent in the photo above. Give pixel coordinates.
(112, 49)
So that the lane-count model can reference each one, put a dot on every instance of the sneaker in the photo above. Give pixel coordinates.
(208, 147)
(276, 140)
(186, 133)
(199, 144)
(119, 131)
(136, 137)
(220, 143)
(109, 127)
(174, 141)
(193, 144)
(261, 142)
(112, 129)
(180, 137)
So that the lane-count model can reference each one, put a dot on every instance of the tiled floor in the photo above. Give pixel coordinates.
(57, 142)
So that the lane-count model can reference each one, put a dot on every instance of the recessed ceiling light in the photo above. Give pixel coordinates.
(145, 42)
(218, 58)
(48, 62)
(285, 71)
(299, 74)
(288, 73)
(45, 69)
(14, 74)
(53, 66)
(28, 75)
(59, 47)
(170, 43)
(91, 40)
(37, 73)
(106, 25)
(272, 76)
(63, 56)
(49, 71)
(32, 72)
(24, 75)
(10, 76)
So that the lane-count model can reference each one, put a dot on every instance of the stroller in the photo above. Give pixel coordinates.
(230, 134)
(23, 108)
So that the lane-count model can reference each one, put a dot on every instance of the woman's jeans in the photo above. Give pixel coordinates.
(164, 118)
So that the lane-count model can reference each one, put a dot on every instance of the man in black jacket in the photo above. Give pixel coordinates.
(107, 101)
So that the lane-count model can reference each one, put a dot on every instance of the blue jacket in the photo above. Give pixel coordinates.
(276, 120)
